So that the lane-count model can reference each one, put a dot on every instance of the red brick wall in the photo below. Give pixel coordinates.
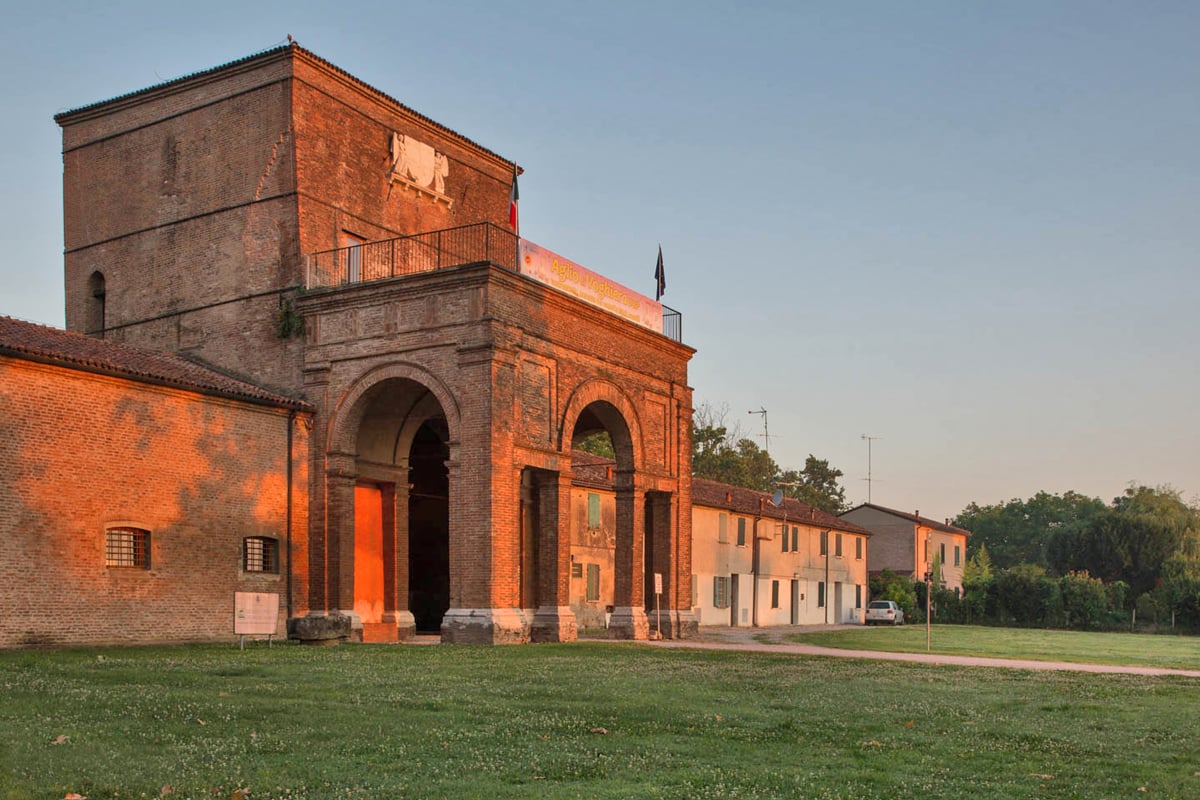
(83, 451)
(343, 162)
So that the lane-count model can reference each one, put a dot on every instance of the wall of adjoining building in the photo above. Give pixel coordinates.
(84, 453)
(786, 588)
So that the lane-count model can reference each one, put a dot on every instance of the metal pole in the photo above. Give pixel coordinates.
(928, 604)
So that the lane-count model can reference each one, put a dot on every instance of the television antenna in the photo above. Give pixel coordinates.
(869, 479)
(766, 437)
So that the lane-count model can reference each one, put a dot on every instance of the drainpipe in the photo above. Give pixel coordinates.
(291, 421)
(754, 548)
(828, 588)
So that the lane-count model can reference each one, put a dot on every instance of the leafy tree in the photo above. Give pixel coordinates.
(977, 581)
(1084, 600)
(713, 455)
(1134, 539)
(978, 569)
(887, 585)
(1027, 595)
(760, 468)
(721, 453)
(1020, 531)
(598, 444)
(817, 485)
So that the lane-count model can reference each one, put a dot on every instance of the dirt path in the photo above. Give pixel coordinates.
(750, 640)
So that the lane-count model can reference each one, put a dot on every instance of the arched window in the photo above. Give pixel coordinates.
(95, 305)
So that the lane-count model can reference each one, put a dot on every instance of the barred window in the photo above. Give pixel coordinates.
(260, 554)
(127, 547)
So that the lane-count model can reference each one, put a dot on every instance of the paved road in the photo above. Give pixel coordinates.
(750, 640)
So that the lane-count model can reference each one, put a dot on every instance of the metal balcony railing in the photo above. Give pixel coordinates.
(407, 255)
(478, 243)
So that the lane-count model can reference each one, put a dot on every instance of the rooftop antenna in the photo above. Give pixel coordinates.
(766, 437)
(869, 479)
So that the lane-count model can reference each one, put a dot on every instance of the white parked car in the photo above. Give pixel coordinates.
(884, 611)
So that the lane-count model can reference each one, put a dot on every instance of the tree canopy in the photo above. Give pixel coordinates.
(1019, 531)
(1145, 536)
(720, 453)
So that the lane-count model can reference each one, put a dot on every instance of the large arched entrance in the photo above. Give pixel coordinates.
(401, 531)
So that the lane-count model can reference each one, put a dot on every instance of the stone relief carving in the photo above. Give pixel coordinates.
(419, 167)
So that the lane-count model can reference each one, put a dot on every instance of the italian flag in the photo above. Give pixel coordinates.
(513, 196)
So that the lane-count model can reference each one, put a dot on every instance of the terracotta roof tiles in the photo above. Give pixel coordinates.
(929, 523)
(27, 340)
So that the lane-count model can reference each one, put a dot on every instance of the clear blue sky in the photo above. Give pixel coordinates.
(969, 228)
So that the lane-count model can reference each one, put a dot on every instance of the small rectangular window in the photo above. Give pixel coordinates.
(593, 583)
(127, 547)
(824, 542)
(260, 554)
(858, 547)
(593, 510)
(942, 552)
(720, 591)
(774, 594)
(784, 539)
(858, 596)
(723, 528)
(741, 540)
(795, 539)
(957, 556)
(820, 594)
(837, 545)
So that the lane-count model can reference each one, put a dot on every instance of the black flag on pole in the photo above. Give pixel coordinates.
(660, 277)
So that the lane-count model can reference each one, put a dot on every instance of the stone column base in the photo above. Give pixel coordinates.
(406, 625)
(554, 624)
(676, 624)
(485, 626)
(629, 623)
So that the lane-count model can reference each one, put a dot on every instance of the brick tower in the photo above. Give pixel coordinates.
(284, 222)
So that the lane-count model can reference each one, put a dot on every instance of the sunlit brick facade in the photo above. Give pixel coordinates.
(288, 224)
(131, 484)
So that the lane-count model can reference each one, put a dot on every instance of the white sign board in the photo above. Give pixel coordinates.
(552, 269)
(255, 613)
(658, 583)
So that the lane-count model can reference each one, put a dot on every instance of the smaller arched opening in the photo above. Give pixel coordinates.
(94, 321)
(608, 523)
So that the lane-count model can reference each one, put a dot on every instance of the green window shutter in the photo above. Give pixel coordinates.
(593, 582)
(593, 510)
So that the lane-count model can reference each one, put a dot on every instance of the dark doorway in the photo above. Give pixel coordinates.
(429, 526)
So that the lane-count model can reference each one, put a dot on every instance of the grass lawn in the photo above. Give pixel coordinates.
(584, 720)
(1137, 649)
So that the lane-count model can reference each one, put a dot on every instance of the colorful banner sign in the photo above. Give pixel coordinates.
(567, 276)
